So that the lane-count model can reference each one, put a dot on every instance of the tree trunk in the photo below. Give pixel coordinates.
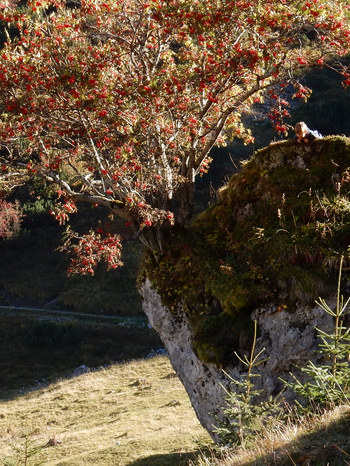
(151, 238)
(186, 197)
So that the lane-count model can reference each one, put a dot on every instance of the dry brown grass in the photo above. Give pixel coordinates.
(116, 416)
(316, 439)
(139, 414)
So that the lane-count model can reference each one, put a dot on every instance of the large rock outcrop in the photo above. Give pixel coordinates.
(265, 251)
(289, 340)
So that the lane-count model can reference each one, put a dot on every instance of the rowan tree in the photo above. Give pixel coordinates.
(118, 103)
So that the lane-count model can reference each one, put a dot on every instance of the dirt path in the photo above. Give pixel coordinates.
(132, 321)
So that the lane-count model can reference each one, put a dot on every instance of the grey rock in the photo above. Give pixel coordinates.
(287, 339)
(83, 369)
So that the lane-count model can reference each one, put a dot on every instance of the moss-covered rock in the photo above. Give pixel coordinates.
(275, 235)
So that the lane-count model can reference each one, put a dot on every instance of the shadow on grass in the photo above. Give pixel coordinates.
(36, 351)
(327, 445)
(172, 459)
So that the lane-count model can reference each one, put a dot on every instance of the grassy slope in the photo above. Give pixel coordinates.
(32, 272)
(139, 414)
(134, 413)
(317, 440)
(45, 348)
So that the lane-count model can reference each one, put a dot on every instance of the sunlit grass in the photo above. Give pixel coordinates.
(319, 438)
(115, 416)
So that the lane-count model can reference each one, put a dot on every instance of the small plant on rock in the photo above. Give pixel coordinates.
(328, 384)
(245, 415)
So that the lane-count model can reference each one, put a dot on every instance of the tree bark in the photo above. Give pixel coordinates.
(186, 197)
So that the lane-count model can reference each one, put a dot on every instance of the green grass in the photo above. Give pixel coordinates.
(43, 347)
(32, 272)
(138, 414)
(135, 413)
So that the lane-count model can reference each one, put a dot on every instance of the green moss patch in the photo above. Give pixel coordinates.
(276, 235)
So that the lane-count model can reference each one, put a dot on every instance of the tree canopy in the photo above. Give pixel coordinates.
(118, 103)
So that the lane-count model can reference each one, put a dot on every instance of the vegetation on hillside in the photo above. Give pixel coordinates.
(42, 280)
(136, 413)
(38, 349)
(276, 234)
(319, 439)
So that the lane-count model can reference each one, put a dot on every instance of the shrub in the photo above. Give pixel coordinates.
(10, 219)
(245, 416)
(328, 384)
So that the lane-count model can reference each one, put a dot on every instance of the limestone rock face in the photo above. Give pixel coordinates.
(289, 340)
(201, 381)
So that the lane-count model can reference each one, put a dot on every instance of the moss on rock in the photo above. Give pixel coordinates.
(276, 235)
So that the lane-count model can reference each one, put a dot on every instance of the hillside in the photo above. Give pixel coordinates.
(138, 414)
(38, 347)
(133, 413)
(320, 439)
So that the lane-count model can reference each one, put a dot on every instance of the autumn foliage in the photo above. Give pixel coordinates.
(118, 103)
(10, 219)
